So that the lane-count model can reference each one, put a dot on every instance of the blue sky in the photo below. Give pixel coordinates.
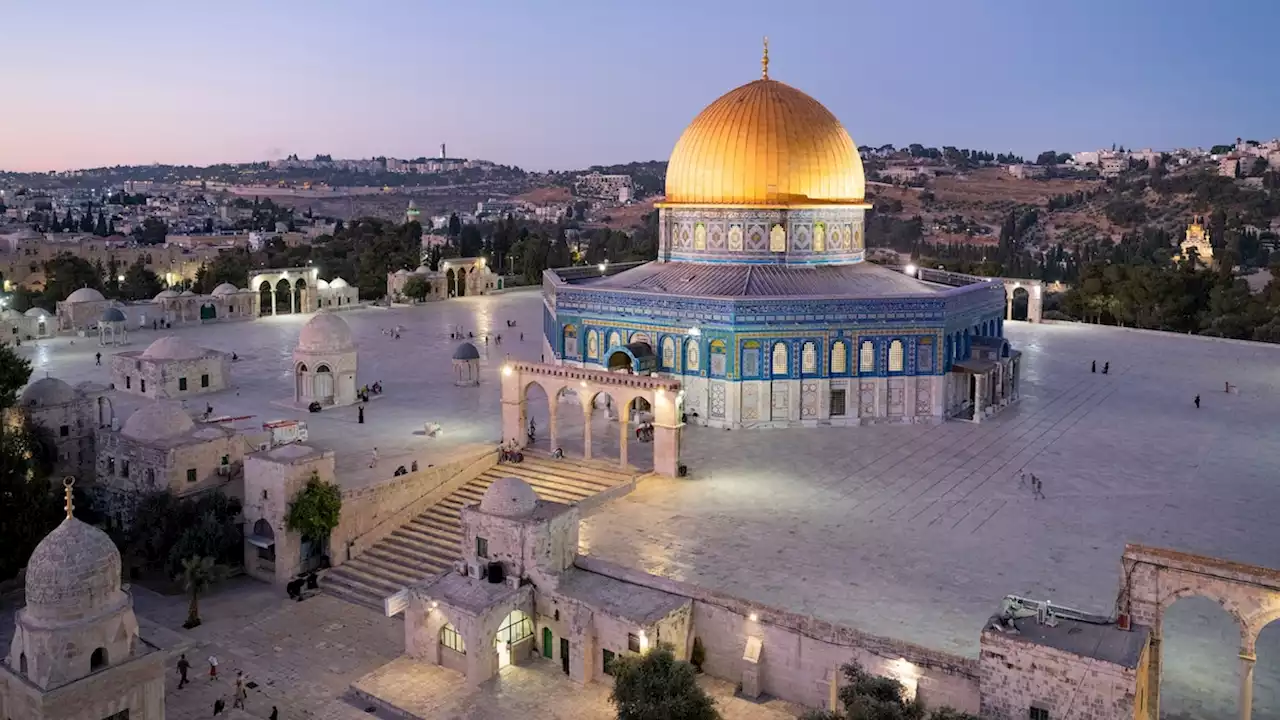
(569, 83)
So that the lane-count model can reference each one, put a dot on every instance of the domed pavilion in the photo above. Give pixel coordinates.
(324, 363)
(171, 367)
(760, 300)
(76, 653)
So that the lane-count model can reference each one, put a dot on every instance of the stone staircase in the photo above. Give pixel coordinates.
(430, 543)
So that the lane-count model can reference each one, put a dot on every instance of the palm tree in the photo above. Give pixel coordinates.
(198, 574)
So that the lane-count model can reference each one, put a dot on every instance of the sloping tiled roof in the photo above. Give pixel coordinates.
(859, 280)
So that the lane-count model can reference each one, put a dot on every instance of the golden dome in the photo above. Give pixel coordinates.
(765, 143)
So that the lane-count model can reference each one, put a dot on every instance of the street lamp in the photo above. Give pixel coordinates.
(910, 269)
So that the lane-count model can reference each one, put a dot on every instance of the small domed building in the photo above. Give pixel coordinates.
(760, 301)
(82, 309)
(457, 277)
(324, 362)
(160, 448)
(466, 365)
(76, 652)
(70, 416)
(171, 367)
(111, 328)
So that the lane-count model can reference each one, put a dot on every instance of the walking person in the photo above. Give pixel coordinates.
(1106, 367)
(98, 358)
(219, 705)
(360, 416)
(1093, 367)
(373, 461)
(275, 713)
(213, 667)
(521, 337)
(1197, 402)
(241, 692)
(183, 667)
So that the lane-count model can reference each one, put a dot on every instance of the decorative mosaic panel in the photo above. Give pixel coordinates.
(717, 400)
(735, 238)
(800, 238)
(751, 401)
(780, 402)
(924, 396)
(700, 236)
(777, 239)
(819, 237)
(809, 400)
(897, 397)
(866, 399)
(715, 240)
(756, 238)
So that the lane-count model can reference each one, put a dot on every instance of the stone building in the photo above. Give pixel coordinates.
(324, 363)
(516, 594)
(456, 277)
(76, 652)
(299, 290)
(1196, 243)
(466, 365)
(336, 294)
(70, 417)
(160, 448)
(226, 302)
(271, 480)
(761, 301)
(171, 367)
(1063, 665)
(34, 324)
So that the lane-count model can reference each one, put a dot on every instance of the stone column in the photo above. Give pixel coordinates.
(979, 396)
(1247, 661)
(624, 427)
(293, 301)
(666, 435)
(554, 422)
(586, 430)
(1008, 304)
(273, 301)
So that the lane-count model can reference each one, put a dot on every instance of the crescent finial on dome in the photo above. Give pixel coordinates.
(67, 482)
(764, 60)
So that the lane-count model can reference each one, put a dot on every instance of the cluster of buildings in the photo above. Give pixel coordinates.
(23, 253)
(611, 187)
(423, 165)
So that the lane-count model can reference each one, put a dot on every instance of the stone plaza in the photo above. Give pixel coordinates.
(909, 532)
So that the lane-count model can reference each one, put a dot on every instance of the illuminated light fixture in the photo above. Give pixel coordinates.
(753, 617)
(506, 369)
(584, 383)
(601, 266)
(434, 604)
(694, 332)
(911, 270)
(660, 392)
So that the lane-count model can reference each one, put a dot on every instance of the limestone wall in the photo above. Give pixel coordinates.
(801, 655)
(136, 686)
(1017, 675)
(372, 512)
(160, 379)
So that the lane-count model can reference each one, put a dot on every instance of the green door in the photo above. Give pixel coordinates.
(547, 640)
(208, 312)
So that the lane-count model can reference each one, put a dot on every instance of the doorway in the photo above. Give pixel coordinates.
(547, 643)
(564, 655)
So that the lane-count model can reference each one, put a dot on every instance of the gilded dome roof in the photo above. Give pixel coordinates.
(765, 143)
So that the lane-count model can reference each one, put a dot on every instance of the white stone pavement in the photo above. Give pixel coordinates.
(910, 532)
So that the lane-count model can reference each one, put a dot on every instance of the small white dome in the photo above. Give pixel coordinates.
(38, 312)
(47, 391)
(325, 333)
(85, 295)
(185, 293)
(402, 273)
(509, 497)
(172, 347)
(338, 283)
(225, 289)
(75, 568)
(423, 269)
(158, 421)
(322, 284)
(9, 314)
(166, 294)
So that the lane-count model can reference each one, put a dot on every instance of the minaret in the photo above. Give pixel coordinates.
(442, 155)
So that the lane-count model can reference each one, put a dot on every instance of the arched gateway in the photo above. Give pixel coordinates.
(664, 396)
(1155, 578)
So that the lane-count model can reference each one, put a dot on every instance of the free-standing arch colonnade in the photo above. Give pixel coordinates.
(663, 395)
(1155, 578)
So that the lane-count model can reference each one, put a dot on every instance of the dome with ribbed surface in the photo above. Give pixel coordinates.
(765, 143)
(85, 294)
(466, 351)
(112, 315)
(75, 567)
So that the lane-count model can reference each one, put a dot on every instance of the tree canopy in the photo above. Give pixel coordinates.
(315, 510)
(657, 686)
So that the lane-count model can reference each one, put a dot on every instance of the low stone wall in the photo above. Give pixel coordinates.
(802, 655)
(372, 512)
(1163, 333)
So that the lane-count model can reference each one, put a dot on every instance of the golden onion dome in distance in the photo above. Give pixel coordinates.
(765, 143)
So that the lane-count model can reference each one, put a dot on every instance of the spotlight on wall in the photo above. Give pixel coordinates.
(601, 267)
(434, 604)
(506, 369)
(911, 269)
(753, 617)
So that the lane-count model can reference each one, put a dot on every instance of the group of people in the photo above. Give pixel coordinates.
(1036, 485)
(1106, 367)
(240, 689)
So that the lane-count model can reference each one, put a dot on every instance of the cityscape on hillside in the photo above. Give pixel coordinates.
(778, 426)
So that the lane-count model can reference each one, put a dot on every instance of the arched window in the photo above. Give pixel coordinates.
(867, 357)
(924, 355)
(570, 341)
(641, 337)
(691, 355)
(777, 239)
(819, 237)
(615, 339)
(98, 660)
(751, 359)
(668, 353)
(593, 344)
(779, 362)
(809, 358)
(515, 628)
(839, 357)
(22, 663)
(452, 639)
(895, 356)
(718, 356)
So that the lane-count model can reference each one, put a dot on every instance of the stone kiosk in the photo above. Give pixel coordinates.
(324, 362)
(76, 652)
(171, 368)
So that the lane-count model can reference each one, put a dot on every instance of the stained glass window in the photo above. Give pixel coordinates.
(809, 358)
(779, 364)
(867, 357)
(895, 356)
(839, 357)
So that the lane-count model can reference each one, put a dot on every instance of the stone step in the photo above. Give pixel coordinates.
(571, 468)
(367, 577)
(551, 490)
(352, 595)
(410, 554)
(550, 470)
(446, 530)
(349, 585)
(424, 550)
(389, 569)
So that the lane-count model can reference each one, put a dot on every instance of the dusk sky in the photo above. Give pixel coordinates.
(568, 83)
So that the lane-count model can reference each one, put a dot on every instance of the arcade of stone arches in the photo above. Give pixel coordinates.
(649, 402)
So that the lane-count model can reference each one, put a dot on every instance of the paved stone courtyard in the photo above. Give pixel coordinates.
(910, 532)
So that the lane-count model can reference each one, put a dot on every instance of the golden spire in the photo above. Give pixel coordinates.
(67, 482)
(764, 61)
